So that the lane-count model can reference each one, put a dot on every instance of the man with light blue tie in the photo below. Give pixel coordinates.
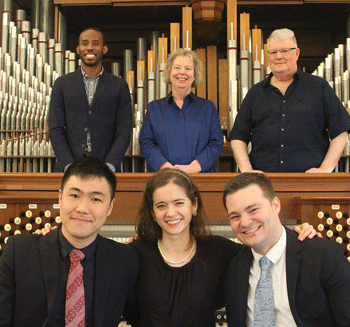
(276, 280)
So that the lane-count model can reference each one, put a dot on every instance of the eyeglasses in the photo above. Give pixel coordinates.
(283, 52)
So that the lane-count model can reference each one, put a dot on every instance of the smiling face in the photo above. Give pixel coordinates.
(91, 48)
(283, 66)
(172, 209)
(254, 218)
(85, 205)
(182, 74)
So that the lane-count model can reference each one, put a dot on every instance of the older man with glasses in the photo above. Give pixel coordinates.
(294, 120)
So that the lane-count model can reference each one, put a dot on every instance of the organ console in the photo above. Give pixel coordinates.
(29, 201)
(330, 216)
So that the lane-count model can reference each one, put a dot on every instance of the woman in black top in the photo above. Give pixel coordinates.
(181, 266)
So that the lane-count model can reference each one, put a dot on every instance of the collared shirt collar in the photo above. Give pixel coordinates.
(170, 97)
(276, 252)
(267, 80)
(66, 247)
(86, 76)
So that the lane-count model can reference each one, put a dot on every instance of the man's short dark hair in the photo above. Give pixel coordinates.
(89, 167)
(94, 29)
(246, 179)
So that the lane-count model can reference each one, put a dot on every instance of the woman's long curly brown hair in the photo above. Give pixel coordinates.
(147, 228)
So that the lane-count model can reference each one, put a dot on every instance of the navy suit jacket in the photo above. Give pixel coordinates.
(318, 283)
(29, 276)
(109, 119)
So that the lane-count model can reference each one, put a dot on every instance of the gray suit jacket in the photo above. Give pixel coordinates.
(109, 119)
(29, 275)
(318, 283)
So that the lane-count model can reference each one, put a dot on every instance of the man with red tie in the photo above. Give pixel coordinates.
(72, 276)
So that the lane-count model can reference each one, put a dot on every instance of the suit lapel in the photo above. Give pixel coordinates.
(50, 263)
(103, 275)
(243, 271)
(102, 86)
(292, 269)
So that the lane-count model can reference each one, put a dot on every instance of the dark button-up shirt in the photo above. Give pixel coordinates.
(290, 133)
(57, 315)
(180, 136)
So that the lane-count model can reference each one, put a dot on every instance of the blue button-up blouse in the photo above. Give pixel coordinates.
(180, 136)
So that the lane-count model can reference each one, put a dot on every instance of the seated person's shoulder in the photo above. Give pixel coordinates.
(25, 238)
(321, 247)
(23, 244)
(117, 246)
(119, 252)
(142, 245)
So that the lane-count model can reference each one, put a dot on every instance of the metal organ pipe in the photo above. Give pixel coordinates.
(66, 62)
(250, 65)
(128, 61)
(50, 52)
(262, 63)
(35, 13)
(151, 86)
(35, 35)
(72, 62)
(162, 59)
(336, 73)
(244, 70)
(256, 68)
(13, 43)
(62, 31)
(26, 31)
(46, 18)
(155, 35)
(151, 75)
(20, 17)
(162, 85)
(5, 31)
(142, 55)
(232, 78)
(116, 69)
(42, 46)
(7, 6)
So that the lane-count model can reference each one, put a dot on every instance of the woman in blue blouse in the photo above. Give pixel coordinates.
(182, 130)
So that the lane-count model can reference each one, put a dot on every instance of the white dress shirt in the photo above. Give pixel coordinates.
(277, 255)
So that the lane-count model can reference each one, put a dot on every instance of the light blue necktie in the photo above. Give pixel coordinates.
(264, 305)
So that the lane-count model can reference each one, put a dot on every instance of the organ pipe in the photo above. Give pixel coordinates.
(46, 18)
(27, 62)
(335, 70)
(162, 59)
(128, 61)
(151, 75)
(116, 69)
(31, 60)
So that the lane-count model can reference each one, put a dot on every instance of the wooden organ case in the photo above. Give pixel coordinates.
(30, 200)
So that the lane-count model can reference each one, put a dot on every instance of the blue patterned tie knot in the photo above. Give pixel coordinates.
(264, 306)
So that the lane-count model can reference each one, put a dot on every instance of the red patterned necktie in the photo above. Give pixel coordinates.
(75, 297)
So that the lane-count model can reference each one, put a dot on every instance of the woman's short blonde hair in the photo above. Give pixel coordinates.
(197, 65)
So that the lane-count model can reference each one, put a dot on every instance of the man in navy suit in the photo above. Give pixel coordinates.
(34, 268)
(90, 109)
(311, 279)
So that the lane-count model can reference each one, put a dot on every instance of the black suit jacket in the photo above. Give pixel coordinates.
(29, 276)
(318, 283)
(109, 119)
